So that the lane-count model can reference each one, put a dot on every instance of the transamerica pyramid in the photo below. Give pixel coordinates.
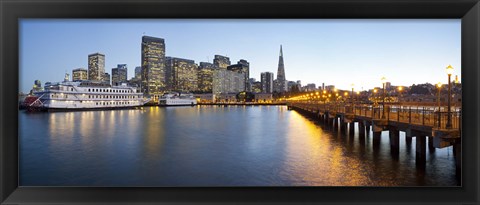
(281, 73)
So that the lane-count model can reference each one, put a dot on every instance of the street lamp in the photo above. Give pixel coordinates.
(352, 98)
(384, 80)
(352, 86)
(439, 87)
(400, 89)
(449, 118)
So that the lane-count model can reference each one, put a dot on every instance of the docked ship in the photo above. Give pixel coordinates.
(177, 99)
(81, 95)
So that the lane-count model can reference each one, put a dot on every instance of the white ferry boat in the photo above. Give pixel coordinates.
(69, 95)
(172, 99)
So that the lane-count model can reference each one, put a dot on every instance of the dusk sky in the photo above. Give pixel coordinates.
(334, 52)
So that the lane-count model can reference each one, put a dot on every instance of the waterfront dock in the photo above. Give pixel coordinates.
(421, 123)
(242, 103)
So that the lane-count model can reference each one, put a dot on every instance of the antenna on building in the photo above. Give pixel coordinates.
(208, 59)
(143, 33)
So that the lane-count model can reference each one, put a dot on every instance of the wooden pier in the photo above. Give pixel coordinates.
(418, 122)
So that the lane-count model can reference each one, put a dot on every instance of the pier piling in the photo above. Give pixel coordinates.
(431, 148)
(351, 128)
(376, 139)
(367, 127)
(420, 156)
(394, 142)
(361, 129)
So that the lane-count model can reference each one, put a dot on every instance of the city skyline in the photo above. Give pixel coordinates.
(437, 45)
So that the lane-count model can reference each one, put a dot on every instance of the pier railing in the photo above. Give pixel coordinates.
(425, 116)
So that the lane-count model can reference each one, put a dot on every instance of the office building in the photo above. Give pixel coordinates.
(225, 81)
(267, 82)
(96, 67)
(205, 77)
(79, 74)
(106, 78)
(330, 87)
(138, 73)
(153, 67)
(256, 87)
(243, 67)
(221, 62)
(181, 74)
(292, 85)
(119, 74)
(310, 87)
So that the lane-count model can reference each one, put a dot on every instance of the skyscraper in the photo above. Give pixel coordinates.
(119, 74)
(181, 74)
(225, 81)
(267, 82)
(79, 74)
(106, 78)
(256, 87)
(153, 67)
(281, 80)
(291, 85)
(205, 77)
(242, 66)
(138, 73)
(96, 67)
(221, 61)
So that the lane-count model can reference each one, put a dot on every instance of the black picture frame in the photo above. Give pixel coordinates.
(467, 10)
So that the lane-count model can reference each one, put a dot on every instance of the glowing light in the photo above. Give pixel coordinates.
(383, 79)
(449, 69)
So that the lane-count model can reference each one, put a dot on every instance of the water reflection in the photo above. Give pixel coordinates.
(213, 146)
